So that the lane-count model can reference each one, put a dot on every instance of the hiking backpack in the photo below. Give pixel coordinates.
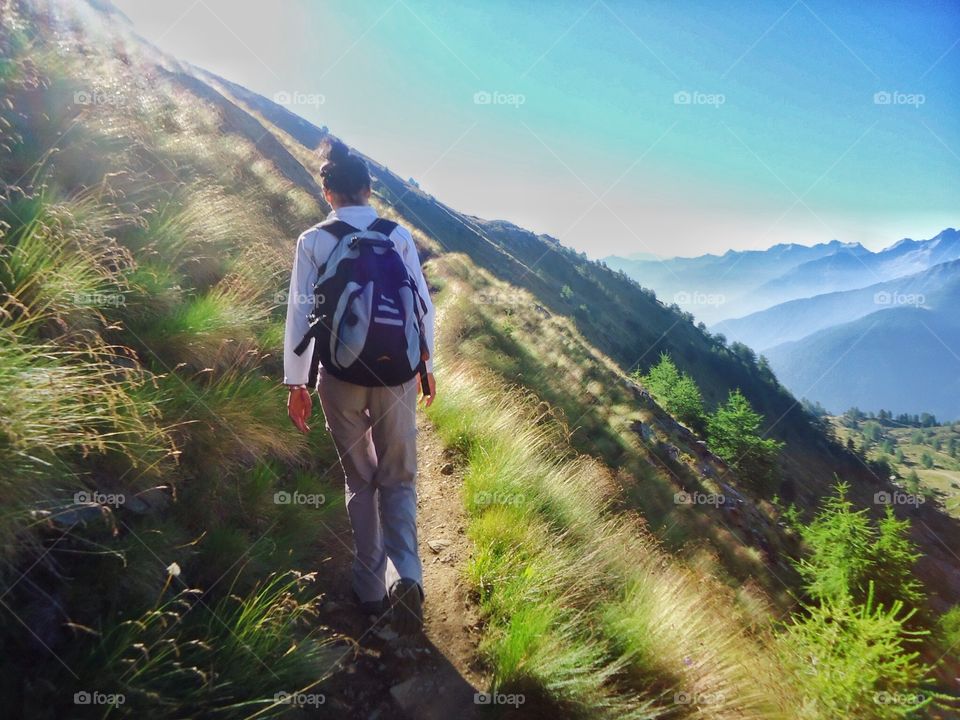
(366, 321)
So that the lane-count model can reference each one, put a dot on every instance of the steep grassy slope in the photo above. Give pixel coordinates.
(631, 327)
(144, 241)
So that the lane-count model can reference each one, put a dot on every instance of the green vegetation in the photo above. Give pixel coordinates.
(855, 651)
(733, 433)
(581, 610)
(677, 392)
(142, 441)
(140, 264)
(923, 453)
(852, 557)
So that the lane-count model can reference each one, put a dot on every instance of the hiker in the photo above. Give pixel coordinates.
(360, 329)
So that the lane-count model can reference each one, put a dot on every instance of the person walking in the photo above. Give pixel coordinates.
(359, 329)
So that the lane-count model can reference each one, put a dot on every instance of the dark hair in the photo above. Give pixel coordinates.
(343, 173)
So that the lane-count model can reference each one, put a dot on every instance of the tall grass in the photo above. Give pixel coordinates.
(188, 657)
(140, 265)
(582, 608)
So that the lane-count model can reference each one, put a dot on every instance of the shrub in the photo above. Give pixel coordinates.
(856, 661)
(847, 553)
(733, 433)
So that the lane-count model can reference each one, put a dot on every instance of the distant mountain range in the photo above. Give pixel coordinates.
(737, 283)
(839, 323)
(796, 319)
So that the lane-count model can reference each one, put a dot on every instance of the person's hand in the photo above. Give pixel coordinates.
(427, 398)
(299, 407)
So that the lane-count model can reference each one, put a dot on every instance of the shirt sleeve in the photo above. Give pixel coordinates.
(412, 261)
(296, 368)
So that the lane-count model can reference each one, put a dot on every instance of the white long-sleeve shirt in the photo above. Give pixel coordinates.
(313, 248)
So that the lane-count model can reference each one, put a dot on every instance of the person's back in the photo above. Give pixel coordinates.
(365, 333)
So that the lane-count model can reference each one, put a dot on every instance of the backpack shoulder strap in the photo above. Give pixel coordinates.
(383, 226)
(338, 228)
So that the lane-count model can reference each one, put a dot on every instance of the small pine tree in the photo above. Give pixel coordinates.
(733, 433)
(913, 482)
(839, 540)
(846, 655)
(686, 402)
(892, 557)
(677, 392)
(926, 460)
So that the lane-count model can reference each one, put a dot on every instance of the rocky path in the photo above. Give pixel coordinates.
(432, 676)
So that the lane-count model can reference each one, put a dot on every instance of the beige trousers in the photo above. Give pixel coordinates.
(375, 433)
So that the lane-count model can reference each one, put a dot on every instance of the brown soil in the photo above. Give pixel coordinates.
(430, 676)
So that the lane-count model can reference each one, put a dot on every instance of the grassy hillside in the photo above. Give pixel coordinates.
(162, 519)
(926, 458)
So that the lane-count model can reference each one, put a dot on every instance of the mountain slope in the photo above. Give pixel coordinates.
(719, 286)
(857, 267)
(798, 318)
(901, 358)
(141, 327)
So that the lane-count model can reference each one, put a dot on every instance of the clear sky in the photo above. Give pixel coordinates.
(674, 127)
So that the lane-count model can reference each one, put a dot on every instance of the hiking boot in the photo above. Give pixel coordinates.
(406, 599)
(371, 607)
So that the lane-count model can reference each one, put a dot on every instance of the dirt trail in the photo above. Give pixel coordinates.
(433, 676)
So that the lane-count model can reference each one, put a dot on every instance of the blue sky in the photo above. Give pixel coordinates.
(674, 128)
